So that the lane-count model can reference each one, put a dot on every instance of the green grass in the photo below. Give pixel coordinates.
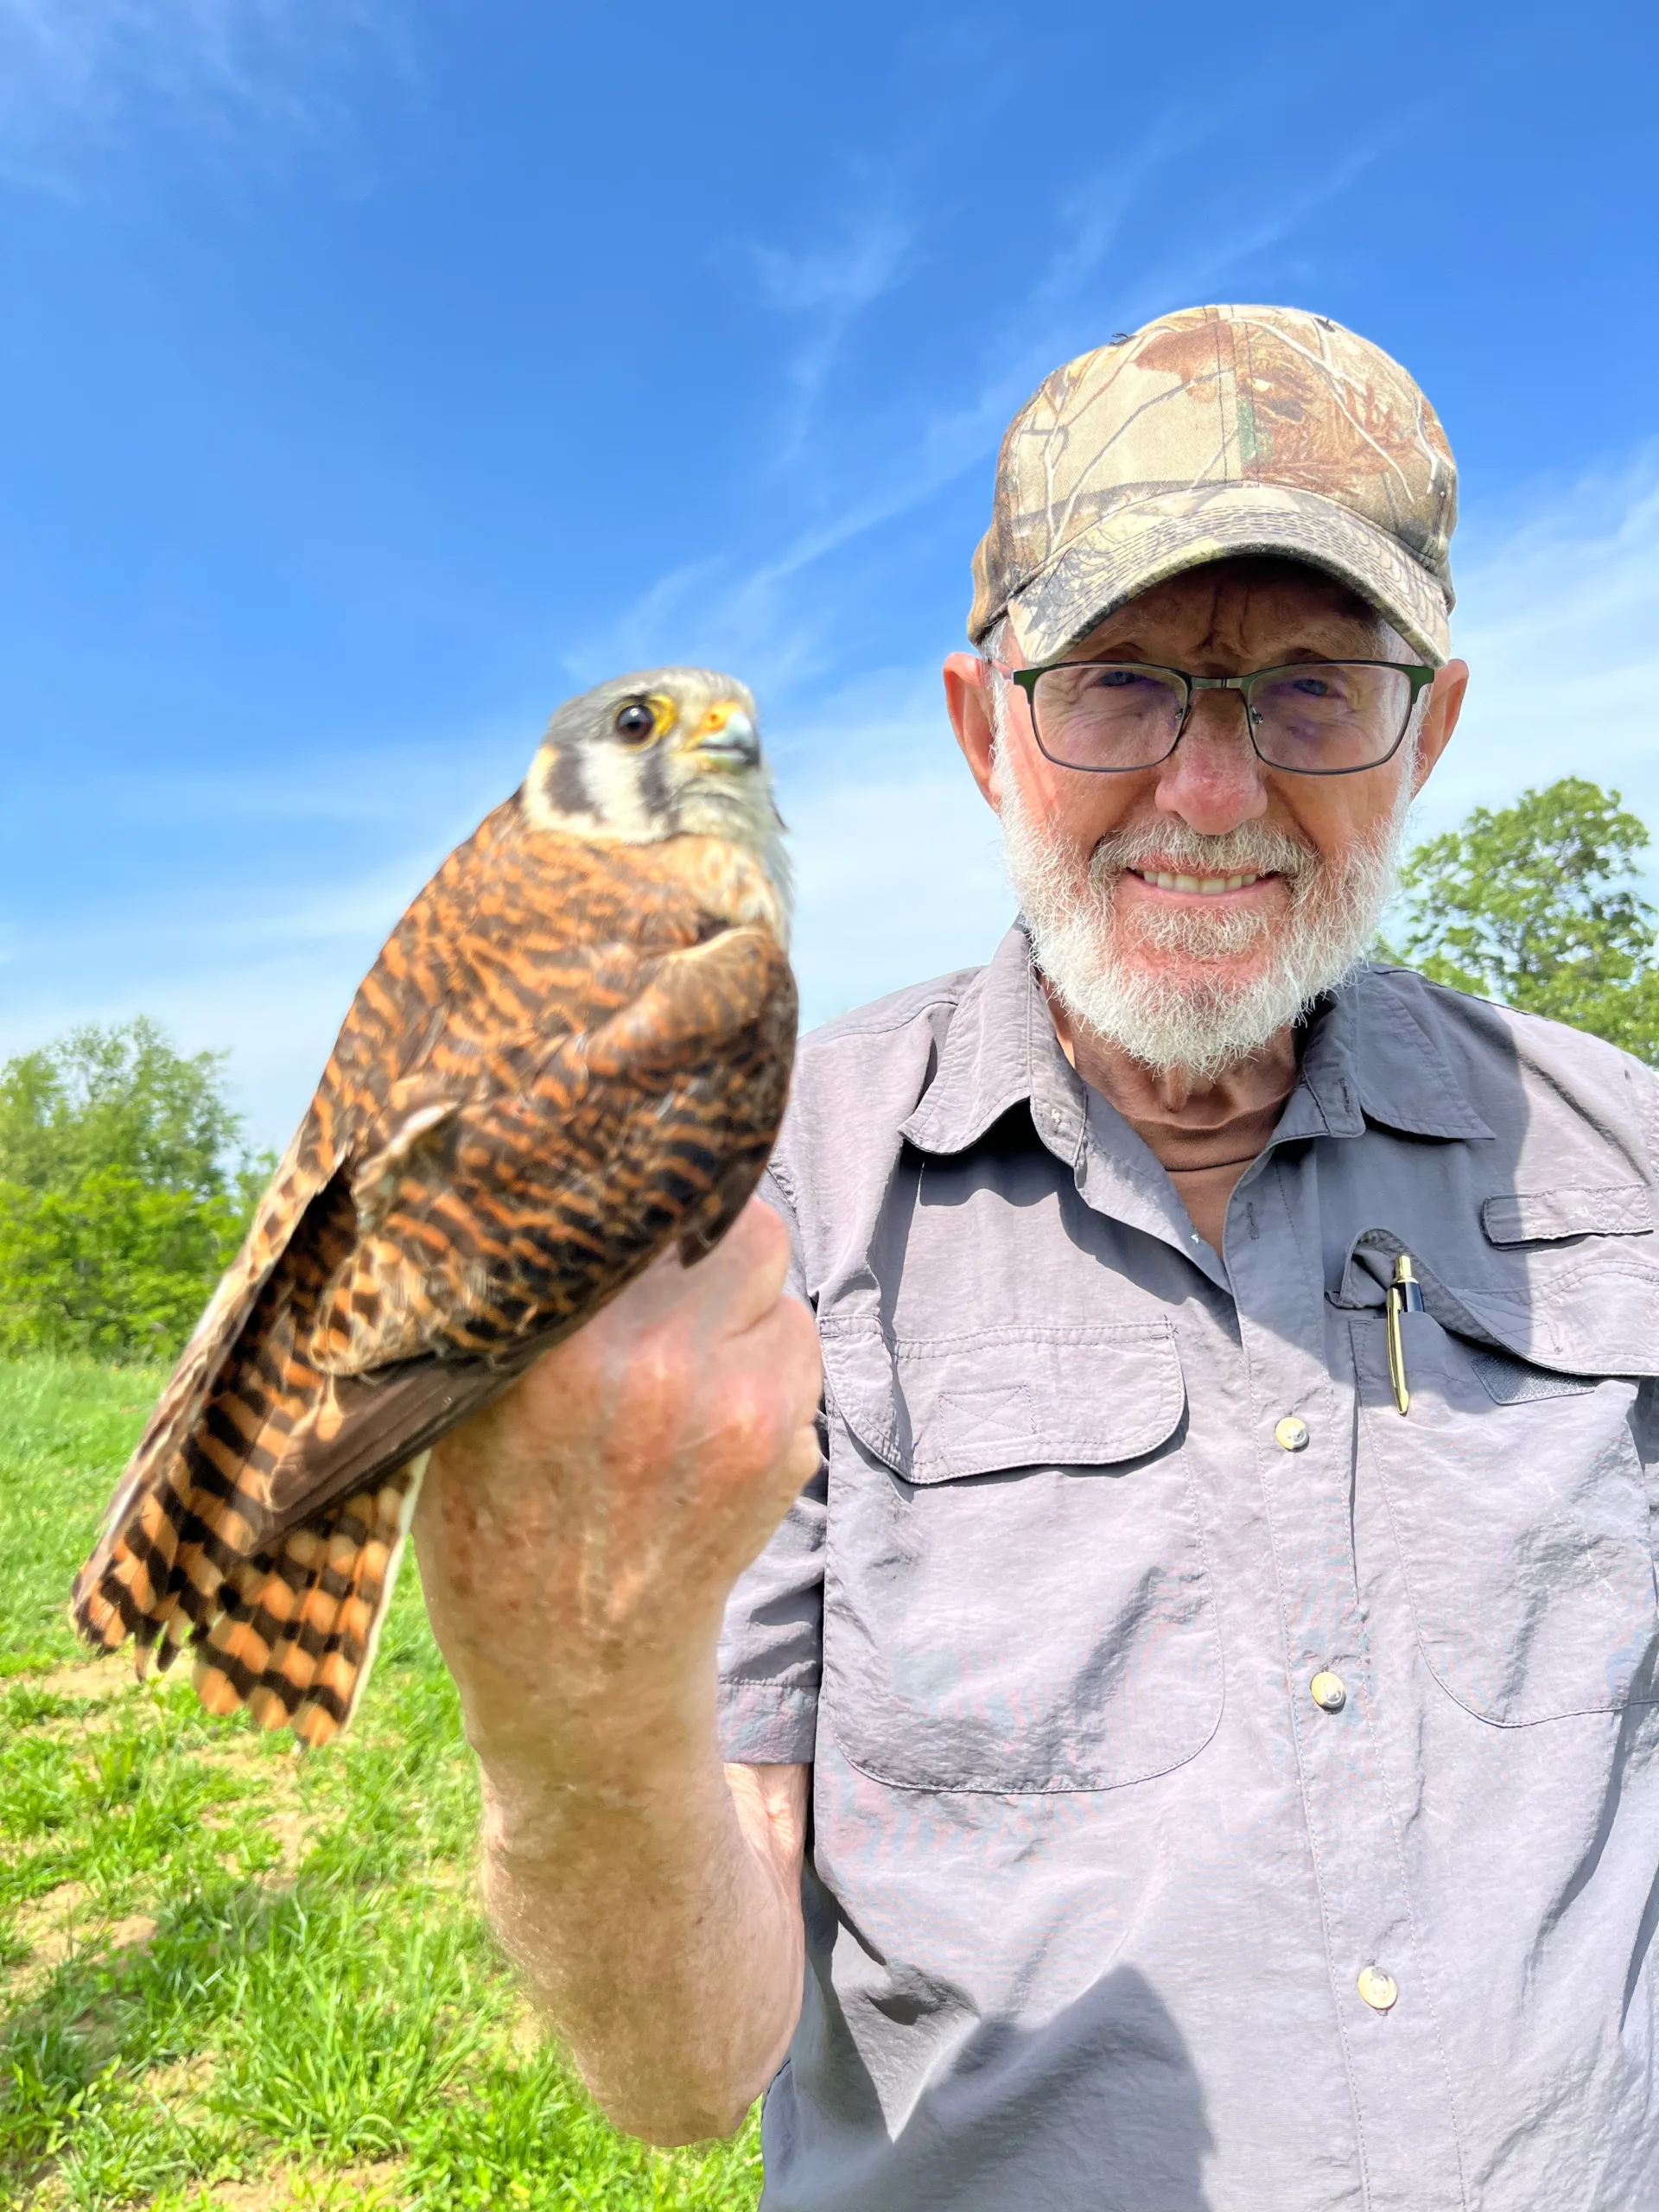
(236, 1977)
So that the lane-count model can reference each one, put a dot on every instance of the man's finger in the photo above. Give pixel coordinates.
(801, 1461)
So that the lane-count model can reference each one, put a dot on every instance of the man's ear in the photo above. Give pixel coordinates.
(1445, 696)
(966, 701)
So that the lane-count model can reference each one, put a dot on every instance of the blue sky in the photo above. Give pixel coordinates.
(373, 373)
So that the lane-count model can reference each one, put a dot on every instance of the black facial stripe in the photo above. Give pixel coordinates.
(653, 784)
(571, 793)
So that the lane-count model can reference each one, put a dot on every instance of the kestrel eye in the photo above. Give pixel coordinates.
(635, 723)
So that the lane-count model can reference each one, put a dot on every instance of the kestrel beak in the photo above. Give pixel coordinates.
(727, 737)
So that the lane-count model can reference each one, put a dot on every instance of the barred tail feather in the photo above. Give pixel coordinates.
(182, 1533)
(298, 1625)
(288, 1628)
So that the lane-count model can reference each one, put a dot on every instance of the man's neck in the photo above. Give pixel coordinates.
(1144, 1094)
(1206, 1134)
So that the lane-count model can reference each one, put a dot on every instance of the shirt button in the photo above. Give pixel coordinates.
(1330, 1693)
(1291, 1434)
(1379, 1989)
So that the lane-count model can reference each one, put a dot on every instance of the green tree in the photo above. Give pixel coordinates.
(1538, 905)
(118, 1097)
(124, 1190)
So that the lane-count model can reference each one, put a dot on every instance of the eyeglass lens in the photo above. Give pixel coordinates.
(1321, 717)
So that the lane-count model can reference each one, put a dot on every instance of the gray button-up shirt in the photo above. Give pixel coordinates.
(1106, 1905)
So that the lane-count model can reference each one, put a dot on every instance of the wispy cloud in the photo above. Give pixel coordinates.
(899, 860)
(76, 76)
(756, 615)
(825, 291)
(839, 280)
(266, 968)
(390, 791)
(250, 902)
(1557, 616)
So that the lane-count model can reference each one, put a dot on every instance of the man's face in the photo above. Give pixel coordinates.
(1200, 977)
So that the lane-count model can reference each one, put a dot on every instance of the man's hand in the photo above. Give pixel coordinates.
(577, 1542)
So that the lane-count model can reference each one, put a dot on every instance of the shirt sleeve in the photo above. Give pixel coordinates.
(771, 1645)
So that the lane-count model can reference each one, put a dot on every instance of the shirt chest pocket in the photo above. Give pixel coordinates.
(1016, 1598)
(1520, 1510)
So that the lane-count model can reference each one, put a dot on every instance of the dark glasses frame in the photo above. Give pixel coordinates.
(1028, 679)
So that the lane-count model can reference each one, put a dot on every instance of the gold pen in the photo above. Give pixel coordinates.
(1405, 1296)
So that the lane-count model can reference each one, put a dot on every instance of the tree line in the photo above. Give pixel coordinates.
(126, 1184)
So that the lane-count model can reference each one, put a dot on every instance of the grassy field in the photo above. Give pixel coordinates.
(233, 1976)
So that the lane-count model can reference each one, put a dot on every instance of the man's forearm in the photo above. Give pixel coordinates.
(578, 1541)
(653, 1900)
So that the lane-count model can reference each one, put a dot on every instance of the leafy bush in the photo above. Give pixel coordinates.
(124, 1191)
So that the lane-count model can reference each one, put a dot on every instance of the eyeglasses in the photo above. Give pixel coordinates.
(1313, 718)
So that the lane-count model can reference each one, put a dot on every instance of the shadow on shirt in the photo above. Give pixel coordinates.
(1097, 2110)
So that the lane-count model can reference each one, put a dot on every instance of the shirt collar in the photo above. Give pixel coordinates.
(985, 1066)
(1368, 1058)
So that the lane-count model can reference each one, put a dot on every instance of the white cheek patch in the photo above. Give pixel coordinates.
(610, 779)
(613, 778)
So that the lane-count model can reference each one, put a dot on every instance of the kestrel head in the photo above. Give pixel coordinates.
(661, 753)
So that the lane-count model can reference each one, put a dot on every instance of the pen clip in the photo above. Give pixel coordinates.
(1405, 1296)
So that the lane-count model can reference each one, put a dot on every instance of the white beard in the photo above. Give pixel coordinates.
(1106, 972)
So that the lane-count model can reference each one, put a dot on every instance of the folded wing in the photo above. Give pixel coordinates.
(557, 1068)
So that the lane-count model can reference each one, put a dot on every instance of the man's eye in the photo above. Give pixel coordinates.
(1116, 679)
(635, 722)
(1313, 687)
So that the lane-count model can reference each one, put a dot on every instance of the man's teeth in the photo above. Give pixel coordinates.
(1209, 885)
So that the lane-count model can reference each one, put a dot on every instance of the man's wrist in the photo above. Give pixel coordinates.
(575, 1745)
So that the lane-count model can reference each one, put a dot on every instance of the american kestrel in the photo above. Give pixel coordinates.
(571, 1054)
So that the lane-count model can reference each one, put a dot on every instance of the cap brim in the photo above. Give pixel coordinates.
(1128, 552)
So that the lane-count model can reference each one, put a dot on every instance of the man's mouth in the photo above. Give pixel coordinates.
(1206, 886)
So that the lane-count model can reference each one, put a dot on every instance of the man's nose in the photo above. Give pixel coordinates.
(1213, 779)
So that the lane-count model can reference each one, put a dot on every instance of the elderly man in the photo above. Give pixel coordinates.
(1189, 1700)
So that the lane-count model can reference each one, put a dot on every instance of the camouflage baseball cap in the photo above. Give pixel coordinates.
(1213, 432)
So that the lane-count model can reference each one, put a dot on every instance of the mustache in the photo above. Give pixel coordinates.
(1253, 849)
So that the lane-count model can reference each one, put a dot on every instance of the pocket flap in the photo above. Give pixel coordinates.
(1513, 1382)
(1576, 1309)
(1536, 1217)
(934, 1408)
